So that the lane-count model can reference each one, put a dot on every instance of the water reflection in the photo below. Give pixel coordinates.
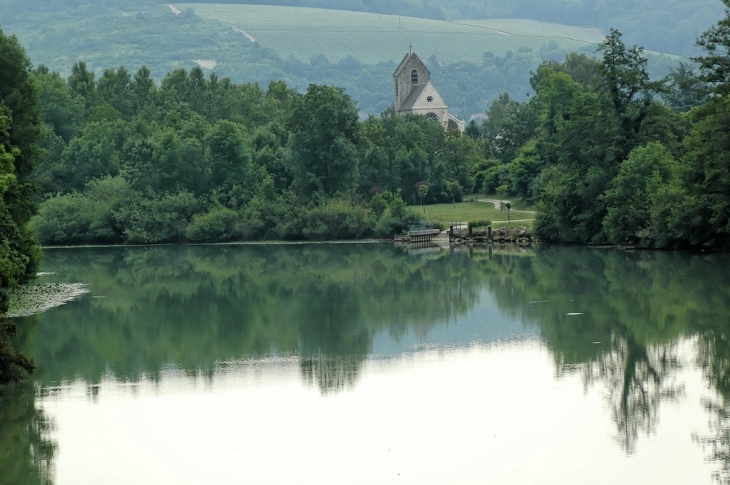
(625, 323)
(330, 373)
(615, 318)
(637, 379)
(26, 449)
(714, 359)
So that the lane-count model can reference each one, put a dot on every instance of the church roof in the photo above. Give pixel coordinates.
(405, 60)
(412, 97)
(423, 96)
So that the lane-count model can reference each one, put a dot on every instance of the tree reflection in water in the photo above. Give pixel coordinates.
(26, 449)
(617, 319)
(330, 373)
(714, 359)
(637, 379)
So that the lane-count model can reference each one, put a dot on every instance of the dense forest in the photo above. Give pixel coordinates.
(20, 134)
(615, 157)
(609, 154)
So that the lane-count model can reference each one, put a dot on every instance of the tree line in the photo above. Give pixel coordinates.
(199, 158)
(613, 156)
(135, 33)
(609, 154)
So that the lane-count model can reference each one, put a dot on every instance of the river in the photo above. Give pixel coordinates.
(373, 364)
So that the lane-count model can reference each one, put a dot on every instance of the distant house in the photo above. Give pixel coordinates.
(414, 93)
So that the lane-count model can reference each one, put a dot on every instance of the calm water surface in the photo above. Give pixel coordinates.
(369, 364)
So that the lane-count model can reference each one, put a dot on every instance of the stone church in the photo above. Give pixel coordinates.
(414, 93)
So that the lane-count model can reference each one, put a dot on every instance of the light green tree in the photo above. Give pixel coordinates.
(453, 187)
(501, 192)
(422, 192)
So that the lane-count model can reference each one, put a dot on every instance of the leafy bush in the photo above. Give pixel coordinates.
(84, 217)
(338, 219)
(219, 224)
(64, 219)
(480, 223)
(278, 218)
(395, 220)
(158, 219)
(378, 204)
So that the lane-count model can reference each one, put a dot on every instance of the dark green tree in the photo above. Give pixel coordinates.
(82, 83)
(707, 212)
(325, 133)
(588, 134)
(20, 133)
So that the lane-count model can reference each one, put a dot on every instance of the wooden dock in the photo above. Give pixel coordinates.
(423, 235)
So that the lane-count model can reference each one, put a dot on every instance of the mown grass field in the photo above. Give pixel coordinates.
(373, 38)
(469, 211)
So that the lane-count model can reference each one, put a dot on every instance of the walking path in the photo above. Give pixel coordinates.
(497, 202)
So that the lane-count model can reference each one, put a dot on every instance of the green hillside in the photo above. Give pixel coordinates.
(357, 51)
(373, 38)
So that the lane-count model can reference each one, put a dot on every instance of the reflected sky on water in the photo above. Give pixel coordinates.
(367, 364)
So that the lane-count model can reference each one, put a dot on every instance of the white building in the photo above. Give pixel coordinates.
(414, 93)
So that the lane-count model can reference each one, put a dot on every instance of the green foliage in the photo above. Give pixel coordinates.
(707, 210)
(378, 204)
(158, 219)
(324, 127)
(641, 180)
(395, 220)
(454, 188)
(685, 90)
(217, 225)
(89, 217)
(338, 219)
(480, 223)
(20, 132)
(422, 191)
(588, 134)
(277, 159)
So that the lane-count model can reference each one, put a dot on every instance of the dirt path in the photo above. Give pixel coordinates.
(513, 220)
(238, 29)
(496, 203)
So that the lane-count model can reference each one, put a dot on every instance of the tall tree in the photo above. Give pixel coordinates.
(325, 130)
(588, 134)
(82, 83)
(708, 211)
(20, 133)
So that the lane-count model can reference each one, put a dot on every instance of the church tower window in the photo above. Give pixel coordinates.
(414, 77)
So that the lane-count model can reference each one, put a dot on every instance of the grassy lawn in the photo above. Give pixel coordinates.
(469, 211)
(303, 32)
